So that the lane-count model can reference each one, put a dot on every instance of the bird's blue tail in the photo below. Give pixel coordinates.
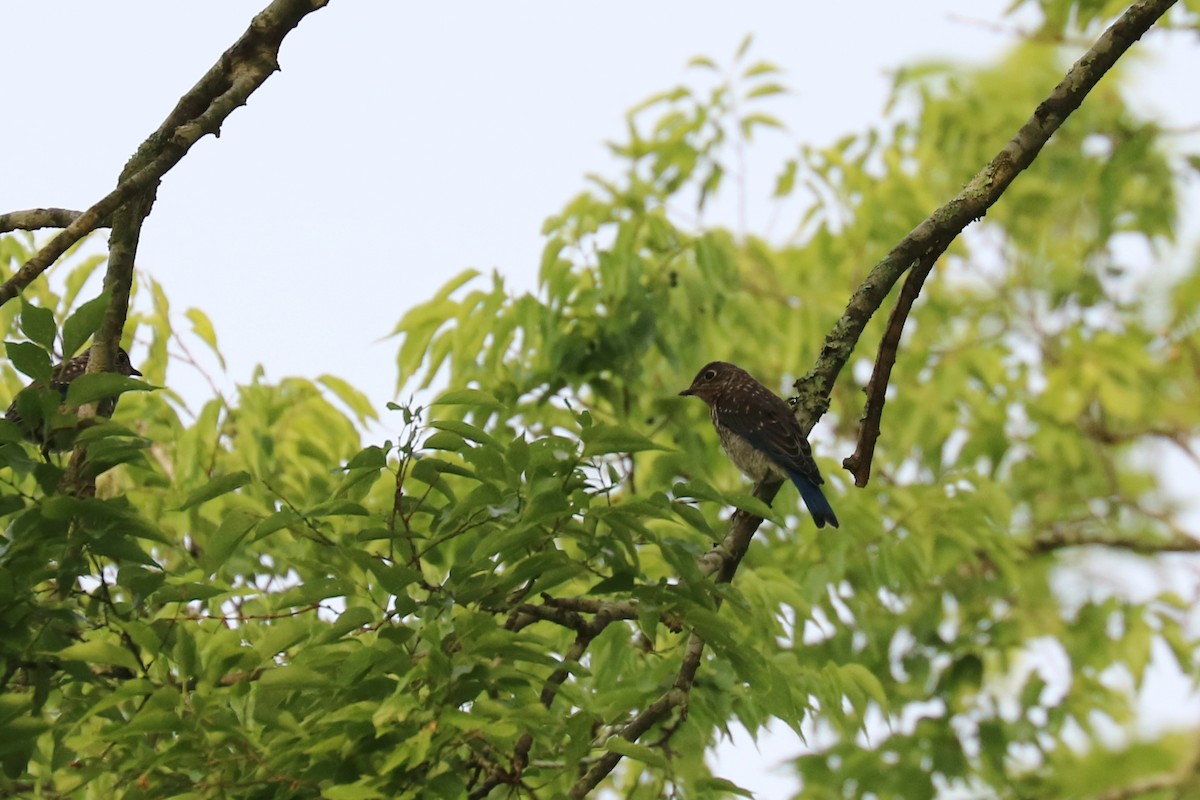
(814, 498)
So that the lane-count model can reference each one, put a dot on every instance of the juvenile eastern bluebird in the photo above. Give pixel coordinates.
(64, 373)
(760, 434)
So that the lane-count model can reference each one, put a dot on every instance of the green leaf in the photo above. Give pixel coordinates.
(444, 440)
(760, 68)
(38, 324)
(638, 752)
(464, 429)
(866, 680)
(293, 677)
(394, 578)
(701, 490)
(965, 673)
(188, 591)
(786, 181)
(83, 324)
(618, 582)
(120, 546)
(466, 397)
(314, 591)
(30, 359)
(276, 521)
(601, 439)
(744, 46)
(151, 720)
(372, 457)
(759, 120)
(356, 791)
(694, 517)
(77, 277)
(752, 505)
(20, 738)
(721, 786)
(216, 488)
(355, 400)
(101, 653)
(766, 90)
(234, 526)
(90, 388)
(202, 326)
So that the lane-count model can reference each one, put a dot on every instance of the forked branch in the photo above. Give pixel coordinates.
(931, 237)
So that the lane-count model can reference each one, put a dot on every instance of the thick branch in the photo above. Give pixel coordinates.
(240, 70)
(930, 238)
(32, 219)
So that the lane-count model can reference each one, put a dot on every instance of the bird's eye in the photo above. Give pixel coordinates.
(710, 374)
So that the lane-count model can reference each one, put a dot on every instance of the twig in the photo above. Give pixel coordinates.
(859, 462)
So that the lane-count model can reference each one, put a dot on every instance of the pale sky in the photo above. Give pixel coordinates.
(404, 142)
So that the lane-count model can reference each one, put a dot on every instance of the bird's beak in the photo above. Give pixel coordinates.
(134, 371)
(687, 392)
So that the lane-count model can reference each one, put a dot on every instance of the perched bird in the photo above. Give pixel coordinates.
(64, 373)
(759, 433)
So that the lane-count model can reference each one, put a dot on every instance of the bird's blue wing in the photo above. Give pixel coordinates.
(754, 413)
(767, 423)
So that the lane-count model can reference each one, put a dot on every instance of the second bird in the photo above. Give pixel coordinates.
(64, 374)
(760, 434)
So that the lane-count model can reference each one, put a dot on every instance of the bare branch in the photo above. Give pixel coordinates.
(32, 219)
(238, 72)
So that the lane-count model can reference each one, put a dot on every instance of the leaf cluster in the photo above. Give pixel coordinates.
(259, 602)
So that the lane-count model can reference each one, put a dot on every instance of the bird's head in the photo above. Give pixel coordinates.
(122, 365)
(713, 379)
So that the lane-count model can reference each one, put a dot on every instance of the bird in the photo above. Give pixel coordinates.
(61, 379)
(760, 434)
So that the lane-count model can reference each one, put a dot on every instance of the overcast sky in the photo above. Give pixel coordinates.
(404, 142)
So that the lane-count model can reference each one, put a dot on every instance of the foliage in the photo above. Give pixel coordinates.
(256, 603)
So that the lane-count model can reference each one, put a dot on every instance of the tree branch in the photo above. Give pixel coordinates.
(238, 72)
(931, 237)
(859, 462)
(32, 219)
(1061, 540)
